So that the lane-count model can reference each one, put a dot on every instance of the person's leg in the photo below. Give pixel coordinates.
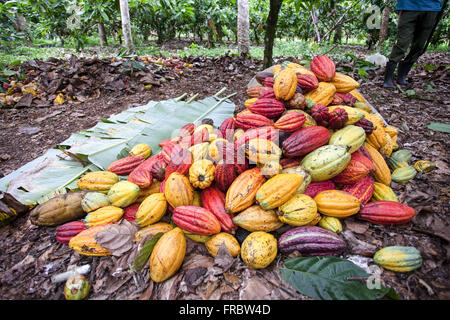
(405, 34)
(423, 30)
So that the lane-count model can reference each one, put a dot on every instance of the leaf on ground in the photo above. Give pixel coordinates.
(325, 278)
(118, 238)
(439, 126)
(144, 254)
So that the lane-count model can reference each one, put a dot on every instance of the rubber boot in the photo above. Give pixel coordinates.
(402, 72)
(389, 74)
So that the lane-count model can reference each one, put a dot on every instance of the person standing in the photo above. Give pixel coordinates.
(417, 19)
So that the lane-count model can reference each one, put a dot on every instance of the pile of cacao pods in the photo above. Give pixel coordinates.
(305, 152)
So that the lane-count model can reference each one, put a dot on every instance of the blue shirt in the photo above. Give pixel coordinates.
(419, 5)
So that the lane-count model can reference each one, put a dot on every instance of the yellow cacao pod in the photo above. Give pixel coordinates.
(259, 249)
(104, 215)
(199, 151)
(167, 255)
(277, 190)
(260, 151)
(331, 223)
(230, 242)
(151, 210)
(358, 96)
(255, 218)
(144, 193)
(344, 83)
(201, 173)
(323, 94)
(178, 191)
(354, 114)
(123, 193)
(141, 149)
(337, 203)
(100, 181)
(84, 243)
(298, 210)
(285, 84)
(382, 173)
(152, 229)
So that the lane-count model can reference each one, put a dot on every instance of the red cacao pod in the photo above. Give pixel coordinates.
(267, 132)
(367, 125)
(270, 108)
(129, 213)
(315, 187)
(252, 120)
(170, 150)
(186, 130)
(225, 175)
(321, 114)
(141, 176)
(386, 212)
(338, 118)
(307, 82)
(125, 165)
(323, 67)
(69, 230)
(227, 129)
(181, 162)
(266, 92)
(337, 101)
(213, 199)
(198, 137)
(305, 140)
(347, 98)
(196, 220)
(268, 82)
(290, 162)
(290, 122)
(363, 189)
(159, 170)
(358, 167)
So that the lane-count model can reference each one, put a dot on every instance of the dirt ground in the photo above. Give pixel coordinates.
(30, 255)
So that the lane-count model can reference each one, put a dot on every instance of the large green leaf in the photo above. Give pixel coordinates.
(326, 278)
(439, 126)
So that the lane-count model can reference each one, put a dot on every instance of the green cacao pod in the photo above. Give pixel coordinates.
(398, 258)
(403, 174)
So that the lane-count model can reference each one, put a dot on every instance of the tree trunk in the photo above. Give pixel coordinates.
(243, 26)
(102, 34)
(384, 25)
(126, 25)
(271, 28)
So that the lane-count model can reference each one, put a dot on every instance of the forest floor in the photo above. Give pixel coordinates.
(30, 255)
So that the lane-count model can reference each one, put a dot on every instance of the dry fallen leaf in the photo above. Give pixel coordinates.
(118, 238)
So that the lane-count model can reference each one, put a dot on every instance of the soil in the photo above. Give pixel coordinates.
(30, 255)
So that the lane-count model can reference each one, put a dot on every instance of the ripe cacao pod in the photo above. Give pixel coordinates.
(262, 75)
(269, 82)
(214, 200)
(242, 192)
(125, 165)
(403, 174)
(337, 119)
(144, 193)
(201, 173)
(100, 181)
(266, 92)
(354, 115)
(311, 241)
(307, 82)
(253, 92)
(290, 122)
(305, 140)
(141, 149)
(344, 83)
(277, 190)
(255, 218)
(225, 175)
(358, 167)
(366, 124)
(181, 162)
(331, 223)
(158, 170)
(141, 176)
(151, 210)
(227, 128)
(252, 120)
(321, 114)
(398, 258)
(424, 166)
(285, 84)
(167, 255)
(123, 193)
(358, 96)
(323, 67)
(268, 132)
(270, 108)
(214, 242)
(323, 94)
(69, 230)
(152, 230)
(299, 210)
(129, 213)
(383, 192)
(386, 212)
(259, 249)
(178, 191)
(298, 101)
(105, 215)
(303, 173)
(315, 187)
(84, 242)
(337, 203)
(170, 150)
(196, 220)
(362, 189)
(382, 173)
(261, 151)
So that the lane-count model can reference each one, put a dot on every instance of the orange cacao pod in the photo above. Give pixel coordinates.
(363, 189)
(323, 67)
(125, 165)
(290, 122)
